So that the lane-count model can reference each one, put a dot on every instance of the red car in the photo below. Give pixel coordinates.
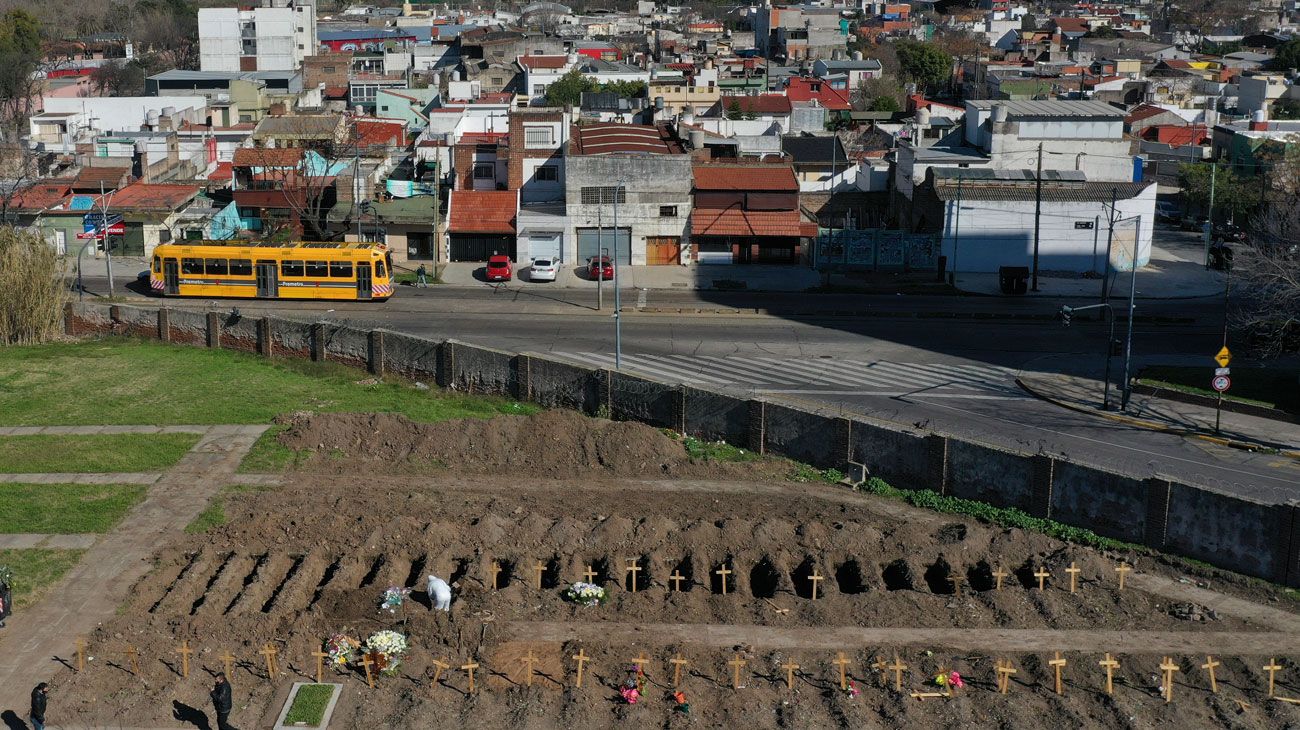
(601, 268)
(498, 268)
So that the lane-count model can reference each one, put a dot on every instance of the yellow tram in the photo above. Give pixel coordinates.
(268, 270)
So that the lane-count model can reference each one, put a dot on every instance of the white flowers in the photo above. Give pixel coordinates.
(585, 594)
(388, 643)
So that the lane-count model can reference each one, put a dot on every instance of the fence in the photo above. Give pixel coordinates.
(1255, 538)
(875, 249)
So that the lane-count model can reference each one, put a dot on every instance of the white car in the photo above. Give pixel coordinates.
(543, 270)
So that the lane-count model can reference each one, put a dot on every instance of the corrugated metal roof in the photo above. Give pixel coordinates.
(1056, 192)
(1050, 109)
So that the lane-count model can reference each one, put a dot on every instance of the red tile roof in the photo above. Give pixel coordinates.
(267, 157)
(40, 196)
(498, 97)
(483, 211)
(1071, 25)
(143, 196)
(1143, 111)
(760, 104)
(224, 171)
(553, 62)
(613, 138)
(737, 222)
(380, 133)
(806, 89)
(746, 178)
(481, 137)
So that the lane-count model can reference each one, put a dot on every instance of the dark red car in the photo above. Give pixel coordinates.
(601, 267)
(499, 268)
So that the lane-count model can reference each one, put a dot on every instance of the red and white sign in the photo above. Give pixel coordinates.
(1221, 383)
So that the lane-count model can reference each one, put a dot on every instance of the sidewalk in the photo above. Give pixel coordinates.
(792, 278)
(1083, 394)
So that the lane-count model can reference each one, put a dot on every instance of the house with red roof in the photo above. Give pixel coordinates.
(747, 214)
(767, 108)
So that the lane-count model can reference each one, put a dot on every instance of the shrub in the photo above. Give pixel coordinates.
(31, 288)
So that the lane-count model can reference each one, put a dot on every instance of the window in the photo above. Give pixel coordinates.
(603, 195)
(216, 267)
(537, 136)
(547, 173)
(498, 82)
(340, 269)
(317, 269)
(157, 264)
(538, 90)
(328, 69)
(379, 269)
(192, 266)
(484, 171)
(291, 268)
(241, 267)
(667, 211)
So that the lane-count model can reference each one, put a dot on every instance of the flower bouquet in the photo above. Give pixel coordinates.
(341, 649)
(386, 648)
(393, 599)
(585, 594)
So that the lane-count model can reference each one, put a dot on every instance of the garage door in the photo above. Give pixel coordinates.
(544, 246)
(479, 248)
(590, 244)
(663, 251)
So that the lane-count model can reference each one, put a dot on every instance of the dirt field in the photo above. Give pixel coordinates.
(387, 503)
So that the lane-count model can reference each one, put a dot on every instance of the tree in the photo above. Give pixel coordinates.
(1101, 31)
(1286, 109)
(568, 89)
(119, 79)
(885, 104)
(1235, 197)
(882, 94)
(734, 111)
(1286, 56)
(625, 89)
(923, 63)
(20, 48)
(1268, 271)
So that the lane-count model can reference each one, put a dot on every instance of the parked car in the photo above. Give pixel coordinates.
(543, 270)
(1167, 211)
(601, 268)
(499, 268)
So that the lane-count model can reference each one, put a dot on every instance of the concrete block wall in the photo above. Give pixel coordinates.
(1257, 539)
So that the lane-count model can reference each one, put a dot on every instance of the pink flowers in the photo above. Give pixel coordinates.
(630, 695)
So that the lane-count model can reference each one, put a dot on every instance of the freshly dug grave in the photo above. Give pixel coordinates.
(551, 444)
(312, 557)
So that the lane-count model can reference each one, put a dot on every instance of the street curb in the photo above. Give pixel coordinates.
(1160, 427)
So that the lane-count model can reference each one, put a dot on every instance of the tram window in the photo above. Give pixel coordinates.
(241, 267)
(216, 267)
(290, 268)
(317, 269)
(340, 269)
(192, 266)
(157, 264)
(379, 269)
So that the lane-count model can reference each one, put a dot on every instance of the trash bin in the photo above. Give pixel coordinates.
(1014, 279)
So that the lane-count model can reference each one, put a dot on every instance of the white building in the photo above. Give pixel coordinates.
(273, 37)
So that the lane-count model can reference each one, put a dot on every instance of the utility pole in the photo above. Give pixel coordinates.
(1110, 236)
(1227, 288)
(618, 322)
(1132, 301)
(1209, 218)
(1038, 212)
(956, 235)
(108, 248)
(600, 241)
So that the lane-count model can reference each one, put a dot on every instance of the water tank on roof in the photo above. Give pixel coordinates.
(141, 147)
(1259, 116)
(697, 139)
(857, 55)
(923, 117)
(151, 118)
(169, 111)
(999, 114)
(659, 103)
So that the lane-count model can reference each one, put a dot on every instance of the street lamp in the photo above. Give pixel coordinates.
(1067, 312)
(618, 322)
(1132, 305)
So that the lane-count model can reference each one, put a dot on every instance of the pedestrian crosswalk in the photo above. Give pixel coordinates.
(816, 376)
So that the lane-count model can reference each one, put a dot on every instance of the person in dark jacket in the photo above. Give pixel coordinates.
(221, 702)
(39, 697)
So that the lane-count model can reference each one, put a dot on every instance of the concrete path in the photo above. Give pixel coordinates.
(78, 478)
(93, 589)
(27, 540)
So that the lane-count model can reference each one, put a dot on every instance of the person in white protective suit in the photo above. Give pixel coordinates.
(439, 593)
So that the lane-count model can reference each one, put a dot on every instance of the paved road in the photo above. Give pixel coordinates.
(900, 358)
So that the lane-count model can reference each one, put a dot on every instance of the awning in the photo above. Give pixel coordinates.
(761, 223)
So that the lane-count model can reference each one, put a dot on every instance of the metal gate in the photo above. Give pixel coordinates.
(592, 240)
(171, 278)
(268, 284)
(663, 251)
(363, 281)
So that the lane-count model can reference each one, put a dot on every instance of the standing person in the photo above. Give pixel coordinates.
(221, 702)
(420, 273)
(6, 605)
(39, 698)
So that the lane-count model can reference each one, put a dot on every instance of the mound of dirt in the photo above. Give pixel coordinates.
(551, 444)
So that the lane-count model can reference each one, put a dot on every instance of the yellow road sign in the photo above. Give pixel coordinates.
(1224, 357)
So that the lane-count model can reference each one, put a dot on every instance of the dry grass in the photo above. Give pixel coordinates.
(31, 288)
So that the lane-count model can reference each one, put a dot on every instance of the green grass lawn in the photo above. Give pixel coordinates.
(35, 570)
(123, 381)
(269, 456)
(309, 704)
(214, 515)
(1272, 387)
(121, 452)
(66, 508)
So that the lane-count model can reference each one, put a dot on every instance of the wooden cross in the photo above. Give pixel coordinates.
(134, 657)
(81, 654)
(879, 666)
(790, 667)
(469, 668)
(677, 579)
(269, 653)
(816, 580)
(581, 658)
(366, 663)
(1168, 667)
(438, 668)
(842, 662)
(1272, 668)
(1110, 665)
(1005, 670)
(998, 575)
(898, 667)
(956, 579)
(1042, 575)
(1057, 665)
(736, 663)
(633, 568)
(185, 652)
(496, 570)
(1074, 571)
(320, 664)
(723, 573)
(641, 661)
(540, 569)
(678, 662)
(227, 661)
(590, 575)
(528, 662)
(1123, 570)
(1209, 666)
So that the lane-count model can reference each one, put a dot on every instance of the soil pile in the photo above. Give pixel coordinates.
(552, 444)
